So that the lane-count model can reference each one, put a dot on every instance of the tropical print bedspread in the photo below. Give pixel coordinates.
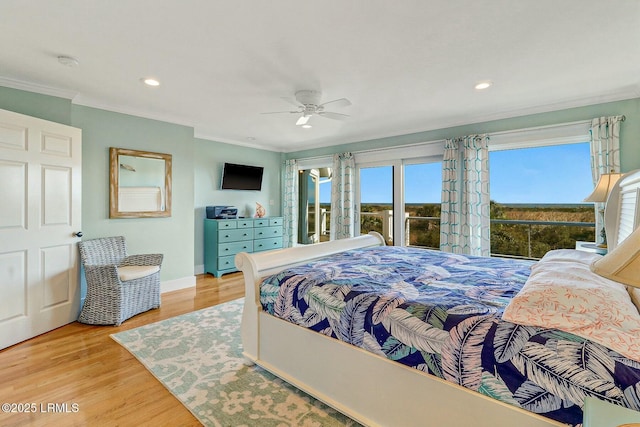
(441, 313)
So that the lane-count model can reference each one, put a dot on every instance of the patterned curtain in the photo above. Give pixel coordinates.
(605, 154)
(465, 217)
(290, 203)
(344, 212)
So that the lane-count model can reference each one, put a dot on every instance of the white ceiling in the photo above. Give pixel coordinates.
(406, 65)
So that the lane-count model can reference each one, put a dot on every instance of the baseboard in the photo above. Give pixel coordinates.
(199, 269)
(177, 284)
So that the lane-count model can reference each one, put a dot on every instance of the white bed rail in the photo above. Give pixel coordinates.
(256, 266)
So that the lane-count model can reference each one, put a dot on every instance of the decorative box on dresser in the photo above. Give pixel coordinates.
(224, 238)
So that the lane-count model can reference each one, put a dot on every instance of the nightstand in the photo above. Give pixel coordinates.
(590, 247)
(598, 413)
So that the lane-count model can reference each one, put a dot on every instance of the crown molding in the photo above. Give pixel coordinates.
(627, 93)
(77, 98)
(87, 101)
(37, 88)
(623, 94)
(200, 134)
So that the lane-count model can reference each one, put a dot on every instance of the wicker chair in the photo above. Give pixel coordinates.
(118, 286)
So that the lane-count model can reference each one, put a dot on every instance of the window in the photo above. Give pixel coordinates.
(400, 198)
(536, 199)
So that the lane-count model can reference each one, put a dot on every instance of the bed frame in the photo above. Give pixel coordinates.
(339, 374)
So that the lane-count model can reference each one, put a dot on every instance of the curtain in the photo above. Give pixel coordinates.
(344, 212)
(465, 217)
(605, 155)
(290, 203)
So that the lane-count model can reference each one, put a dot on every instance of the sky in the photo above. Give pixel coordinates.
(554, 174)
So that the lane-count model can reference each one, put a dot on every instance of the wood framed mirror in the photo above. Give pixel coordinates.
(139, 184)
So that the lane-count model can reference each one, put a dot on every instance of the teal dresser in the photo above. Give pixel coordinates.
(224, 238)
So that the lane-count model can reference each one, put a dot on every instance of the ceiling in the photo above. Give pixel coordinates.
(406, 66)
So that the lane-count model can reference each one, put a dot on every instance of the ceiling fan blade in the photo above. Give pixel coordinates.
(303, 120)
(282, 112)
(342, 102)
(335, 116)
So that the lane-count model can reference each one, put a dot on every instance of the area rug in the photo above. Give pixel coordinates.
(198, 358)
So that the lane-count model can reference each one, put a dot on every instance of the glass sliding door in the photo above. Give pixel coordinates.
(422, 198)
(376, 197)
(401, 200)
(314, 186)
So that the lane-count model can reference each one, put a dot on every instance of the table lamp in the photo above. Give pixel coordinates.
(600, 194)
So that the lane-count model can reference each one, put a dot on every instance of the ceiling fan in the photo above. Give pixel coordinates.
(308, 103)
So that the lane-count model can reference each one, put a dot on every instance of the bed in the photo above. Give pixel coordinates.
(517, 378)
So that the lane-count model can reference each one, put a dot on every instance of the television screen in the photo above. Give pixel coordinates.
(241, 177)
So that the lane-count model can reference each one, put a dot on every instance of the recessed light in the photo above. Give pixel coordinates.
(483, 85)
(150, 81)
(307, 126)
(68, 61)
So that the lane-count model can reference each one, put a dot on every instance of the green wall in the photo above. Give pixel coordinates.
(209, 159)
(32, 104)
(172, 236)
(629, 131)
(196, 172)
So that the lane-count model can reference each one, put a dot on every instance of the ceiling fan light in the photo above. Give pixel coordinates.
(303, 120)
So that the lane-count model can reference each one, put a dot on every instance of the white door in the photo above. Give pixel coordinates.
(40, 190)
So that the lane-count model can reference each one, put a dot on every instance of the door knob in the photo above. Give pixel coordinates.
(78, 234)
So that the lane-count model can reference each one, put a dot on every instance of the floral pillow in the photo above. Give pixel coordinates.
(563, 293)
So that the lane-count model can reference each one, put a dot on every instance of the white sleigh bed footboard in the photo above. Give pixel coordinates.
(339, 374)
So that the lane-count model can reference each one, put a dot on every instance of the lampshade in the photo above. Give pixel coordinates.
(623, 263)
(603, 187)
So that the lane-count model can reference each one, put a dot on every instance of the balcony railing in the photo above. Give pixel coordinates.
(509, 238)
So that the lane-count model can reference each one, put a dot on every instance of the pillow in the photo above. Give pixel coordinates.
(634, 293)
(570, 255)
(565, 295)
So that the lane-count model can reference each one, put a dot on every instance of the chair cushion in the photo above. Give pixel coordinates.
(131, 272)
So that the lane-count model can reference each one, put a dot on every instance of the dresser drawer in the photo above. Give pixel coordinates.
(265, 232)
(225, 236)
(275, 221)
(262, 222)
(245, 223)
(267, 244)
(233, 248)
(224, 224)
(226, 262)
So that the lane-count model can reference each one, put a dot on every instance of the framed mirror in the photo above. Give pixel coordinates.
(139, 184)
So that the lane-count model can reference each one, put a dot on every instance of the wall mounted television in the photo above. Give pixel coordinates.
(241, 177)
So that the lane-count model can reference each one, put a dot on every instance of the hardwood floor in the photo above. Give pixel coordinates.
(92, 379)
